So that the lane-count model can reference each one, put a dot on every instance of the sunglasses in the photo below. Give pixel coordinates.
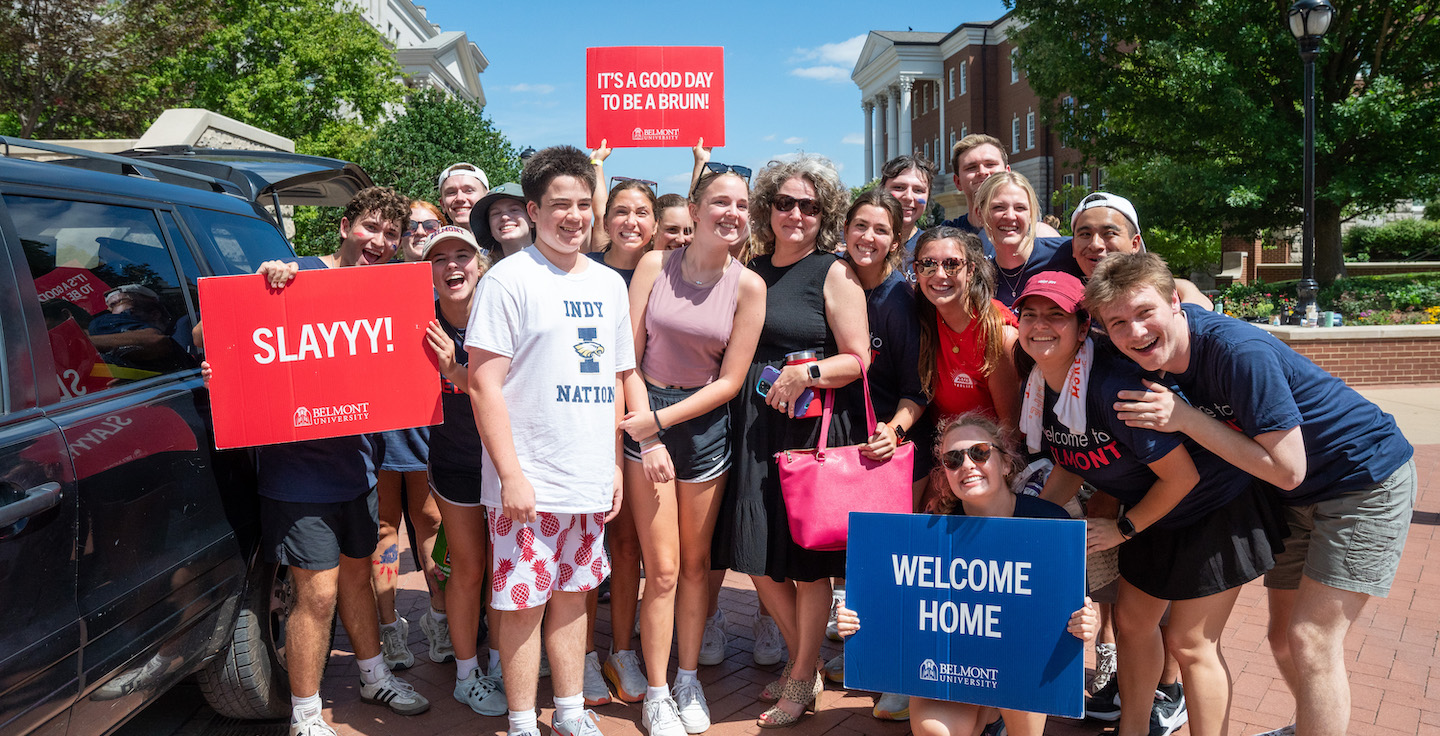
(428, 226)
(808, 207)
(978, 452)
(621, 179)
(927, 266)
(718, 168)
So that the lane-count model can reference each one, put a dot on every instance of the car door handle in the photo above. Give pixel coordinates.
(40, 498)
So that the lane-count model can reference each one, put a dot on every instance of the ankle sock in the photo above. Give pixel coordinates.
(656, 693)
(372, 670)
(437, 615)
(494, 660)
(302, 708)
(463, 667)
(1171, 691)
(523, 721)
(683, 674)
(569, 708)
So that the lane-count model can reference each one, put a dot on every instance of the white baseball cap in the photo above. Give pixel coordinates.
(1105, 199)
(449, 232)
(462, 168)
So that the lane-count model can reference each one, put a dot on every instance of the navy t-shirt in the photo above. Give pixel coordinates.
(327, 470)
(455, 444)
(625, 273)
(1249, 379)
(1116, 459)
(963, 222)
(1029, 507)
(1049, 254)
(894, 346)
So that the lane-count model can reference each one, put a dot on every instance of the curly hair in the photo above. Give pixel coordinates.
(551, 163)
(979, 305)
(887, 202)
(1001, 442)
(832, 196)
(392, 206)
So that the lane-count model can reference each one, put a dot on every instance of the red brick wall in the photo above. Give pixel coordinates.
(1366, 362)
(1290, 271)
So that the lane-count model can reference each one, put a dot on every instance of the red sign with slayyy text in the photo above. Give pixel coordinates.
(654, 96)
(338, 351)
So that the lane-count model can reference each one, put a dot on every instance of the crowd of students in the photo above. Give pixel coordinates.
(619, 370)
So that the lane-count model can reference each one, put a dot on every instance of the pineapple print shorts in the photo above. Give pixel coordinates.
(556, 552)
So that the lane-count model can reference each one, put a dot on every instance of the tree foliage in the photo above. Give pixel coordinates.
(1196, 108)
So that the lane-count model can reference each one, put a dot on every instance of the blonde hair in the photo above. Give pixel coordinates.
(972, 142)
(992, 186)
(1120, 274)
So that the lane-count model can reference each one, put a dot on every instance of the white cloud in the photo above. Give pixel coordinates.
(854, 139)
(823, 73)
(794, 140)
(770, 137)
(846, 52)
(535, 89)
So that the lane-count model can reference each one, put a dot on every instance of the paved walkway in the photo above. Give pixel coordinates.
(1394, 668)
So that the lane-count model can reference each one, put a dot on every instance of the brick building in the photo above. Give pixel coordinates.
(923, 91)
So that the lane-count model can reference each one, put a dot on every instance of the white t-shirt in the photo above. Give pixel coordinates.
(567, 336)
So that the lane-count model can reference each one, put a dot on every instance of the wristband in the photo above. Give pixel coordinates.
(648, 441)
(648, 450)
(593, 162)
(658, 425)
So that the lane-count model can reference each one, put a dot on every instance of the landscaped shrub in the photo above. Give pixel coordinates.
(1364, 300)
(1402, 240)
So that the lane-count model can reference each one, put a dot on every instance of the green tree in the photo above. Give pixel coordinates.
(1196, 108)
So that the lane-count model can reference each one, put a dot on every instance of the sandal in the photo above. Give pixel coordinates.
(800, 692)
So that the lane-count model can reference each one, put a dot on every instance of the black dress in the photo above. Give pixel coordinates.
(752, 534)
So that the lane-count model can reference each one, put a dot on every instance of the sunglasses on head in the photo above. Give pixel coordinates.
(978, 452)
(428, 226)
(927, 266)
(808, 207)
(621, 179)
(718, 168)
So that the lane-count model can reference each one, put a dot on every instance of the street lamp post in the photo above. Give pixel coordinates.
(1308, 20)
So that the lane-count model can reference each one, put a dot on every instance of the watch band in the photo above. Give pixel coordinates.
(814, 370)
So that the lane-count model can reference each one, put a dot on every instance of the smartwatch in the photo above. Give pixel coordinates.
(814, 371)
(1126, 526)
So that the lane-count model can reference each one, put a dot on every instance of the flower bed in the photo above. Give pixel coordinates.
(1402, 299)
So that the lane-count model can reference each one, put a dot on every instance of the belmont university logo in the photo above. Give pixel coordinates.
(959, 674)
(309, 416)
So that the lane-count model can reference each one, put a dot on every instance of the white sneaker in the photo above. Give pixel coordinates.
(892, 707)
(484, 694)
(313, 726)
(835, 669)
(437, 632)
(769, 645)
(583, 725)
(595, 690)
(712, 646)
(832, 629)
(1105, 662)
(662, 718)
(394, 646)
(690, 701)
(1282, 731)
(394, 693)
(623, 671)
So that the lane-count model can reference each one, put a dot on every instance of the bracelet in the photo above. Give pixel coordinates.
(648, 450)
(593, 162)
(658, 425)
(648, 441)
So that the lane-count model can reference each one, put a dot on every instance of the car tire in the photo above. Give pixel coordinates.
(249, 679)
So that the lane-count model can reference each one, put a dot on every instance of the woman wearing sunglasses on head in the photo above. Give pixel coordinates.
(703, 166)
(1193, 530)
(697, 313)
(1011, 214)
(979, 465)
(815, 314)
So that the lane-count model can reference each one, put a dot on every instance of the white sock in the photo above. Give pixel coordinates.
(569, 708)
(373, 670)
(463, 667)
(302, 708)
(437, 615)
(494, 660)
(683, 674)
(656, 693)
(523, 721)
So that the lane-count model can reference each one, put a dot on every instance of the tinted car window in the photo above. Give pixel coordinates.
(108, 287)
(243, 242)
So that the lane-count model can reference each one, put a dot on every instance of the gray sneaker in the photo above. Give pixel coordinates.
(690, 701)
(594, 689)
(769, 645)
(485, 694)
(395, 694)
(394, 644)
(712, 646)
(662, 718)
(583, 725)
(437, 632)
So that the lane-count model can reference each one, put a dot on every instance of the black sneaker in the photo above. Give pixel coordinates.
(1168, 713)
(1104, 705)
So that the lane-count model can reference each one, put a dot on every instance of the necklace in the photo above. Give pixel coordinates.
(1006, 278)
(705, 281)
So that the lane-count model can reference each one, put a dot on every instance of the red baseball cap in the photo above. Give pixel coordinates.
(1057, 286)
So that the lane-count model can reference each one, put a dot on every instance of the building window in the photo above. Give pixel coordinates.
(1085, 181)
(927, 151)
(963, 84)
(1029, 130)
(1069, 180)
(952, 82)
(964, 131)
(1014, 66)
(1015, 134)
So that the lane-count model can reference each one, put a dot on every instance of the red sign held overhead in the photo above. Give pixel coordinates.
(654, 96)
(336, 352)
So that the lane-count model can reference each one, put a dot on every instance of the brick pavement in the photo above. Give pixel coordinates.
(1394, 669)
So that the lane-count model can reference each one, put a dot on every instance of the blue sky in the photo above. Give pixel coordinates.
(787, 70)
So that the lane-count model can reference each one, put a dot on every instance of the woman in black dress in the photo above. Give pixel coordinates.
(814, 303)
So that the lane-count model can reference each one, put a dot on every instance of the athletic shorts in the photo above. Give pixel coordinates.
(699, 447)
(564, 552)
(313, 536)
(458, 487)
(406, 450)
(1228, 547)
(1351, 542)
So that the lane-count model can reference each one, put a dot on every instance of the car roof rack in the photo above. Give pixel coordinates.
(128, 166)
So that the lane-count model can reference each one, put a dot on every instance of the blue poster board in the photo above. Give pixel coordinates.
(978, 614)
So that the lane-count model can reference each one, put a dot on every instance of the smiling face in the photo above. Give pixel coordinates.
(973, 481)
(1149, 329)
(1008, 218)
(1099, 232)
(1050, 334)
(795, 231)
(454, 270)
(562, 217)
(723, 213)
(869, 239)
(976, 166)
(509, 223)
(369, 240)
(458, 194)
(944, 287)
(910, 188)
(422, 223)
(630, 221)
(675, 228)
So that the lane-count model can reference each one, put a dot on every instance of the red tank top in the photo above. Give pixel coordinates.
(960, 386)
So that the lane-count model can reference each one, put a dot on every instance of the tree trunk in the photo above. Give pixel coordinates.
(1329, 256)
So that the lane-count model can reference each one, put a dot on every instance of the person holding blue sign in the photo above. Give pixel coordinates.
(978, 466)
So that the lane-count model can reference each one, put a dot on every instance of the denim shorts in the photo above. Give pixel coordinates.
(699, 447)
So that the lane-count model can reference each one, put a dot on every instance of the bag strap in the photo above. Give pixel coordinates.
(828, 405)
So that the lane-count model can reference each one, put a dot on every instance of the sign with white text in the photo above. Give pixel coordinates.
(654, 96)
(967, 609)
(337, 351)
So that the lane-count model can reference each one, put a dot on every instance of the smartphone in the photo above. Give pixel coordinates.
(768, 378)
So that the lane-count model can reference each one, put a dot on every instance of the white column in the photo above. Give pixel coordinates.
(882, 128)
(942, 156)
(869, 108)
(906, 146)
(892, 132)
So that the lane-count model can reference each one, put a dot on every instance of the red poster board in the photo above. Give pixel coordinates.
(654, 96)
(75, 285)
(337, 352)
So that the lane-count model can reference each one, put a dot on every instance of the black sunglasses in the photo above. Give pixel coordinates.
(979, 452)
(621, 179)
(718, 168)
(785, 203)
(430, 226)
(927, 266)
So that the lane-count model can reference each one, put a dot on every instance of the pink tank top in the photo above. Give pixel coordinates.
(686, 326)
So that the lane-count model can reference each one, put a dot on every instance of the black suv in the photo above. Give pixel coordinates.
(128, 555)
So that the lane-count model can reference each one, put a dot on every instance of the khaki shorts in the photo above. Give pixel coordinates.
(1351, 542)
